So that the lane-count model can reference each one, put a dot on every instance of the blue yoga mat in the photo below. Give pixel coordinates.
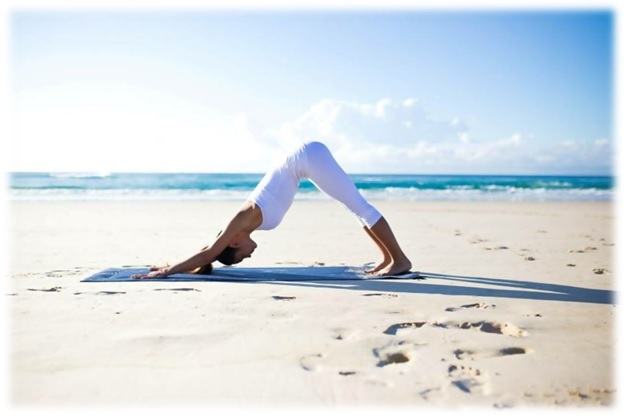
(255, 274)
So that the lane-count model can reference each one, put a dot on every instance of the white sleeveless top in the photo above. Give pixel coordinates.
(276, 191)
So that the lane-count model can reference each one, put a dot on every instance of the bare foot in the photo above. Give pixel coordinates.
(395, 267)
(380, 266)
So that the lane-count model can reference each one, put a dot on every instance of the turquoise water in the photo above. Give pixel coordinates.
(205, 186)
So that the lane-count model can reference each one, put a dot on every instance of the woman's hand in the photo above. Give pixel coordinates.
(155, 273)
(154, 268)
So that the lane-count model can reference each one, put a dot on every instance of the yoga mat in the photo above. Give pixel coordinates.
(252, 274)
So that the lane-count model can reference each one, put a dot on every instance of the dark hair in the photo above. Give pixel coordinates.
(206, 269)
(227, 256)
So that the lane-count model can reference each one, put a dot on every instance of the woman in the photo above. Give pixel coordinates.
(271, 199)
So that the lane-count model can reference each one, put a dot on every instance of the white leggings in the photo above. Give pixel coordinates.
(276, 191)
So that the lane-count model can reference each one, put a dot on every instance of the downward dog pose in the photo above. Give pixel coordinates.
(268, 203)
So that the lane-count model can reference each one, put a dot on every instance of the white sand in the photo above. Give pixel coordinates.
(493, 329)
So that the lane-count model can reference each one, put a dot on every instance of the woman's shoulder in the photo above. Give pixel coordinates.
(249, 215)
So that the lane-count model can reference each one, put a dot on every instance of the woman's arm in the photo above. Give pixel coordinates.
(194, 262)
(241, 222)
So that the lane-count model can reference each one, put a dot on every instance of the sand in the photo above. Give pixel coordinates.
(517, 309)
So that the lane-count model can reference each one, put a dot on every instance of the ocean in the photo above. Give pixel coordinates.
(52, 186)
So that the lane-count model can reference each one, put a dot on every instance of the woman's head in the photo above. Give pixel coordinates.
(240, 248)
(205, 269)
(227, 256)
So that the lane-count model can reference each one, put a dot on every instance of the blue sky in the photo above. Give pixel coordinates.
(401, 91)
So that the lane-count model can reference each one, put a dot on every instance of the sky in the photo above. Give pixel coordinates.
(408, 90)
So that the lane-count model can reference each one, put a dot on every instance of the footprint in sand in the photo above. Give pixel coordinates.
(312, 362)
(455, 370)
(483, 326)
(503, 352)
(492, 328)
(479, 305)
(430, 393)
(343, 334)
(179, 289)
(56, 273)
(52, 289)
(394, 353)
(465, 378)
(585, 250)
(103, 292)
(385, 295)
(396, 328)
(496, 248)
(468, 385)
(284, 297)
(319, 362)
(478, 241)
(394, 358)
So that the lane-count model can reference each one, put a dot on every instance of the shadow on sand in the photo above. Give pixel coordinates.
(444, 284)
(350, 278)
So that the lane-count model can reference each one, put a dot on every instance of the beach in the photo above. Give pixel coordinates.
(516, 308)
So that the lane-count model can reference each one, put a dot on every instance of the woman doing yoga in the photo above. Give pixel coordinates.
(268, 203)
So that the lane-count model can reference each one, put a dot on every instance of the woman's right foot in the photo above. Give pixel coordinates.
(380, 266)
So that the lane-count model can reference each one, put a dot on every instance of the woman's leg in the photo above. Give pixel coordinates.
(318, 165)
(386, 259)
(399, 263)
(323, 170)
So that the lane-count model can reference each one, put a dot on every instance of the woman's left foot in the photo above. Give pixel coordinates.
(396, 267)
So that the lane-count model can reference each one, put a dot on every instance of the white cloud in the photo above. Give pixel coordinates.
(349, 124)
(403, 137)
(383, 136)
(131, 131)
